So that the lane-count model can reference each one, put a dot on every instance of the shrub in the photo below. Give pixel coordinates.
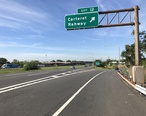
(32, 65)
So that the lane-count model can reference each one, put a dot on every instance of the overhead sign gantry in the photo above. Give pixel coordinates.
(88, 18)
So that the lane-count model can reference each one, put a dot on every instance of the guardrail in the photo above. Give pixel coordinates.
(140, 89)
(136, 86)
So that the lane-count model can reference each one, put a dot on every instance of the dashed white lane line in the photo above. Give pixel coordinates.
(28, 83)
(70, 99)
(20, 85)
(23, 85)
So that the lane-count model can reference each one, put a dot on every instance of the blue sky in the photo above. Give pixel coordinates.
(34, 30)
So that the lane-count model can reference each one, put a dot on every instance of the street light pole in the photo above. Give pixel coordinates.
(92, 58)
(119, 55)
(46, 58)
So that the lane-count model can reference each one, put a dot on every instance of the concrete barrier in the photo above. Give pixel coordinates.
(138, 74)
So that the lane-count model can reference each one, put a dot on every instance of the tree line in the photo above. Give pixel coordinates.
(31, 65)
(129, 53)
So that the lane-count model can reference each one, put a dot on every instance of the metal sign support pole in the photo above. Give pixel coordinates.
(136, 35)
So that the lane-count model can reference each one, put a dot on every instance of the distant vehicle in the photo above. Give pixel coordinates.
(9, 65)
(72, 67)
(41, 65)
(117, 68)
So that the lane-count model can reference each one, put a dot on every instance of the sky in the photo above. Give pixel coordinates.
(35, 30)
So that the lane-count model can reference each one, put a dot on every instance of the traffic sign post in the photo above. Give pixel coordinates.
(78, 21)
(90, 9)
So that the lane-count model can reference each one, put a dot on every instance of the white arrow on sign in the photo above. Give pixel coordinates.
(92, 19)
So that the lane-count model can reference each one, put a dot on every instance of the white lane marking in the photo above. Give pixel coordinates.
(17, 87)
(70, 99)
(28, 83)
(38, 74)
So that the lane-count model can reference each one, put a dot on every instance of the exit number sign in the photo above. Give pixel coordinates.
(86, 10)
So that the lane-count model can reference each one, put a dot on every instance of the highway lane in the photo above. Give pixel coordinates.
(44, 98)
(11, 79)
(105, 95)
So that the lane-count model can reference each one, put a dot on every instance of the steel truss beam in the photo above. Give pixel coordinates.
(109, 23)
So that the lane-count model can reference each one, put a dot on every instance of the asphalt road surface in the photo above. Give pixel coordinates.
(82, 92)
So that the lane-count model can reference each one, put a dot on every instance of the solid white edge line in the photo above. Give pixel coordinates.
(126, 80)
(70, 99)
(135, 86)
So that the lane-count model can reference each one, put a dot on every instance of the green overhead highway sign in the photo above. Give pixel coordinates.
(85, 10)
(78, 21)
(97, 63)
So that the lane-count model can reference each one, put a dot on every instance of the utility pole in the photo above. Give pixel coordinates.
(136, 35)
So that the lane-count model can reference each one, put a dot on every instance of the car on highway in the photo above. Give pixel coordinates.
(72, 67)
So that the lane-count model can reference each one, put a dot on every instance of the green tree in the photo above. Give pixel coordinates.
(143, 42)
(129, 52)
(15, 61)
(20, 63)
(59, 60)
(32, 65)
(68, 61)
(3, 60)
(108, 61)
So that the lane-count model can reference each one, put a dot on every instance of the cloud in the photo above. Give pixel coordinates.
(24, 56)
(142, 18)
(32, 46)
(16, 9)
(37, 47)
(101, 33)
(136, 1)
(107, 5)
(92, 39)
(101, 5)
(113, 33)
(18, 16)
